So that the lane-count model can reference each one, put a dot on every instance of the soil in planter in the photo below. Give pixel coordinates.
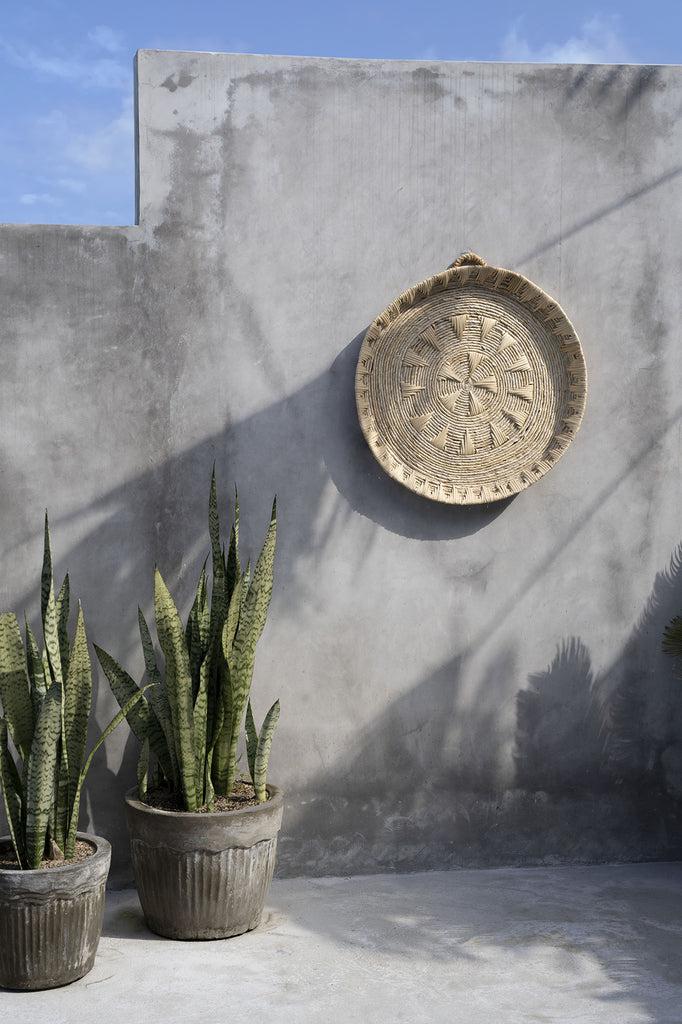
(243, 795)
(83, 850)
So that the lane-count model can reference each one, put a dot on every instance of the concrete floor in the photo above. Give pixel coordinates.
(576, 945)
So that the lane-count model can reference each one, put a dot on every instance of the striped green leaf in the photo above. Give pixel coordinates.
(46, 574)
(263, 752)
(200, 719)
(143, 770)
(241, 657)
(77, 703)
(51, 634)
(254, 610)
(70, 846)
(15, 692)
(233, 567)
(40, 776)
(159, 700)
(142, 718)
(36, 670)
(251, 743)
(234, 611)
(11, 796)
(196, 631)
(159, 703)
(151, 667)
(62, 610)
(222, 730)
(179, 686)
(123, 687)
(214, 527)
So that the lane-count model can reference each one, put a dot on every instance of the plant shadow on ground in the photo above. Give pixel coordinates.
(601, 749)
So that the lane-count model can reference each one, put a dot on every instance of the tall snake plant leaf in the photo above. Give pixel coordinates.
(11, 795)
(672, 638)
(14, 684)
(123, 687)
(218, 745)
(179, 686)
(224, 750)
(214, 528)
(217, 725)
(241, 655)
(70, 847)
(51, 633)
(141, 718)
(62, 610)
(77, 703)
(200, 720)
(143, 770)
(251, 742)
(36, 669)
(252, 622)
(152, 669)
(193, 631)
(234, 569)
(46, 574)
(263, 752)
(42, 760)
(159, 699)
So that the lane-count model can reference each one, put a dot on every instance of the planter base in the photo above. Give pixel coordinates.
(203, 876)
(203, 895)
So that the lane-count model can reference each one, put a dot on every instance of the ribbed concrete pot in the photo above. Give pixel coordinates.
(51, 919)
(203, 876)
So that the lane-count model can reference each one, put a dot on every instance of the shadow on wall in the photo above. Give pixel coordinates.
(427, 782)
(597, 766)
(617, 732)
(293, 447)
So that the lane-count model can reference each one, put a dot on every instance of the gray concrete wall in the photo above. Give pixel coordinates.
(459, 687)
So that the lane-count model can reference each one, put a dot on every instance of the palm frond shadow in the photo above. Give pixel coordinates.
(615, 732)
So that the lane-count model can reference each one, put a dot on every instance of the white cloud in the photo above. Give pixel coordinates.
(105, 147)
(106, 38)
(39, 199)
(101, 72)
(597, 42)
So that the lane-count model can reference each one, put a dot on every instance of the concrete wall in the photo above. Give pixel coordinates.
(458, 686)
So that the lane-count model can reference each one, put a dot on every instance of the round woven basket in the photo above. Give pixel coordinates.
(471, 385)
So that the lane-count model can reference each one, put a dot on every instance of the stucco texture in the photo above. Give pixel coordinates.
(459, 687)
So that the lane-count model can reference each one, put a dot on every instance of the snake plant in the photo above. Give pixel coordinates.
(46, 699)
(192, 721)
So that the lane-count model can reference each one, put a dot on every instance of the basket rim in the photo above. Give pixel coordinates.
(530, 297)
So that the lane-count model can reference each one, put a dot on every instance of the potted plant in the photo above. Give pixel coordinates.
(203, 840)
(52, 877)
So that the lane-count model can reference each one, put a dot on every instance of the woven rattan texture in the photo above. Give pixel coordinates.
(471, 385)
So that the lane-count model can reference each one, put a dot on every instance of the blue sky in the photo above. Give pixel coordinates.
(66, 115)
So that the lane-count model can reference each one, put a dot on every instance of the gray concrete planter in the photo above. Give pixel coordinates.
(51, 920)
(203, 876)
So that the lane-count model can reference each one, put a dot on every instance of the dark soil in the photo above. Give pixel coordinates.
(83, 851)
(243, 795)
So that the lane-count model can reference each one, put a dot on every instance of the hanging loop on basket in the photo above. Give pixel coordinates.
(468, 259)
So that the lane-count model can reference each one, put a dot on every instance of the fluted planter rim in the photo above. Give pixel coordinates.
(274, 803)
(17, 879)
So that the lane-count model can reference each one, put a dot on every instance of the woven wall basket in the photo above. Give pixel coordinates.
(471, 385)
